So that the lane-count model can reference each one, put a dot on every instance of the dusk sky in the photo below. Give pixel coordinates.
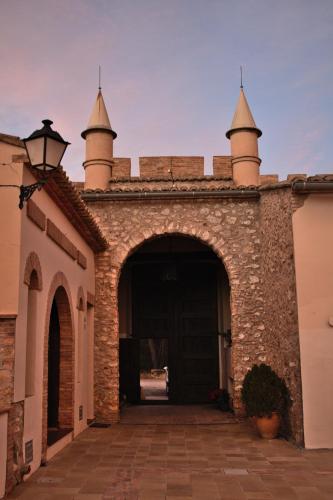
(170, 75)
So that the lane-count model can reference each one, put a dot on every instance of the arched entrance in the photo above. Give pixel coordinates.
(174, 322)
(60, 364)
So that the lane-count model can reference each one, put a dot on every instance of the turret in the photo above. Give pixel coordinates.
(99, 138)
(243, 135)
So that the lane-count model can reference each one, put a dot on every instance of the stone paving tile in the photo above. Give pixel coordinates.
(173, 461)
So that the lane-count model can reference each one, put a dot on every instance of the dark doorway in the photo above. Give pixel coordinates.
(176, 300)
(53, 369)
(171, 285)
(154, 372)
(60, 364)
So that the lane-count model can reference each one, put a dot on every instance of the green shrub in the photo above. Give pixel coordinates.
(264, 392)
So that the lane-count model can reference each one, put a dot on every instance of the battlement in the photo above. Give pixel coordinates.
(169, 167)
(173, 172)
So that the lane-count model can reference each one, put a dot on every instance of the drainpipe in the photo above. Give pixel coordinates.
(153, 195)
(306, 187)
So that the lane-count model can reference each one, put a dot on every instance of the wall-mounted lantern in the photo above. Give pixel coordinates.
(45, 149)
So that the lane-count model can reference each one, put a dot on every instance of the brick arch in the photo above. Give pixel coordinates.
(80, 301)
(33, 267)
(60, 292)
(123, 252)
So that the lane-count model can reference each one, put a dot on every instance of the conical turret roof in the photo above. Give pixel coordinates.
(99, 119)
(243, 119)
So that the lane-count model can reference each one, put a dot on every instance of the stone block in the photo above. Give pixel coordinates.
(222, 166)
(171, 166)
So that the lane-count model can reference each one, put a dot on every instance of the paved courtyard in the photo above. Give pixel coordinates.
(156, 461)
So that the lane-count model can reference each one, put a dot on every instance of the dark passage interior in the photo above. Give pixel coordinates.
(170, 321)
(60, 370)
(53, 369)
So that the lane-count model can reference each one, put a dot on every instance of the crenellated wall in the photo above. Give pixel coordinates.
(159, 167)
(177, 168)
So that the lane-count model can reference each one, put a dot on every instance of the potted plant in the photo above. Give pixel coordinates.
(266, 397)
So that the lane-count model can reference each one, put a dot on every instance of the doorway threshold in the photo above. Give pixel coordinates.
(64, 437)
(54, 435)
(200, 414)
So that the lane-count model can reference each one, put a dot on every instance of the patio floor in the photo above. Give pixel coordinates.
(181, 461)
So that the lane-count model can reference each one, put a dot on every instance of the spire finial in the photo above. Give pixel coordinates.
(99, 77)
(241, 76)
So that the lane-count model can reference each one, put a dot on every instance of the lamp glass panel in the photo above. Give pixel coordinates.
(54, 152)
(35, 149)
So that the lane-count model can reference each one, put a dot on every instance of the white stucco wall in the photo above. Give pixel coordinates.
(52, 259)
(313, 239)
(10, 225)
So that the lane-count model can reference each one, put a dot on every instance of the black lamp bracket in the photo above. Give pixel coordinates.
(26, 191)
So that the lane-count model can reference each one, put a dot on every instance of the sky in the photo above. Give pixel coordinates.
(170, 75)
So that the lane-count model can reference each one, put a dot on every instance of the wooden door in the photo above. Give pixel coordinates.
(196, 333)
(177, 301)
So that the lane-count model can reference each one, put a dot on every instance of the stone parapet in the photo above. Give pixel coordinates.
(121, 167)
(171, 166)
(141, 184)
(222, 166)
(268, 179)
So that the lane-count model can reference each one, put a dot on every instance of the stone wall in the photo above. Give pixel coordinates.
(280, 312)
(7, 346)
(15, 463)
(229, 226)
(7, 354)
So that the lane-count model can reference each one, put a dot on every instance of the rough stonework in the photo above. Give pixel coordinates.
(280, 312)
(229, 226)
(151, 184)
(248, 228)
(15, 463)
(7, 346)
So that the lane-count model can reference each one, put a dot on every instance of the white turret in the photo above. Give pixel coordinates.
(243, 135)
(99, 138)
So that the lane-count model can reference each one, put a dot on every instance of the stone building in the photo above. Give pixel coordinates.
(215, 272)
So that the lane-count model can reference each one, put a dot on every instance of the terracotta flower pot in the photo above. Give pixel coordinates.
(268, 427)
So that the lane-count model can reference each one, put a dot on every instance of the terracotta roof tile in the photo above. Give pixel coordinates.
(11, 139)
(68, 199)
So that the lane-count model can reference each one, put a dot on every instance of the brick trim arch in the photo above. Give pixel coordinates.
(33, 264)
(60, 292)
(202, 236)
(106, 394)
(81, 301)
